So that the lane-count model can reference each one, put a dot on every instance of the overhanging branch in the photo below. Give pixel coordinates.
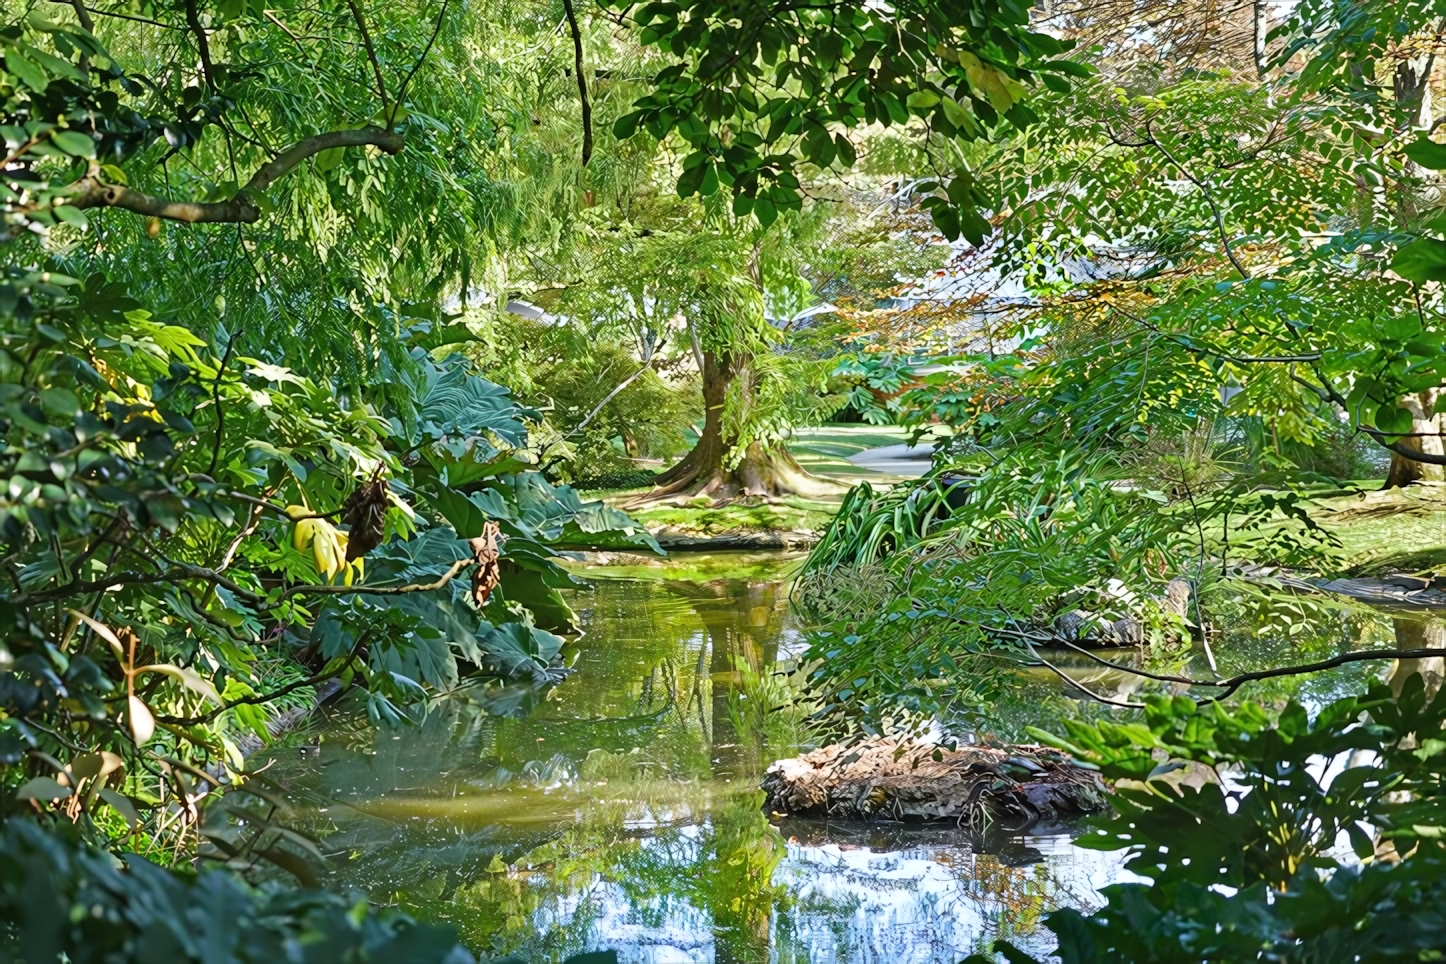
(92, 192)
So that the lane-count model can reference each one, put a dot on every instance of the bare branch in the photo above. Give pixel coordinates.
(581, 82)
(83, 16)
(371, 55)
(407, 81)
(203, 43)
(91, 192)
(442, 580)
(263, 698)
(1209, 196)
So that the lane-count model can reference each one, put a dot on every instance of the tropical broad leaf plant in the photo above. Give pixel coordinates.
(177, 524)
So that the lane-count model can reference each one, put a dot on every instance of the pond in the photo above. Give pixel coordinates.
(619, 810)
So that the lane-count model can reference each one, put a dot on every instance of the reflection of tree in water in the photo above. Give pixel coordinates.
(1418, 633)
(645, 831)
(743, 622)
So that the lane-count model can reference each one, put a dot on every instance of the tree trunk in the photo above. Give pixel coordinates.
(1261, 29)
(1406, 471)
(1412, 93)
(1414, 633)
(763, 470)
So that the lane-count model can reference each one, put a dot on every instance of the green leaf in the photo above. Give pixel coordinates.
(959, 116)
(72, 216)
(74, 143)
(764, 211)
(1392, 419)
(30, 74)
(1427, 153)
(691, 180)
(709, 186)
(42, 788)
(532, 589)
(922, 99)
(122, 806)
(1420, 261)
(627, 125)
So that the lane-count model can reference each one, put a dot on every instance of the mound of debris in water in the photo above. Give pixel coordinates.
(976, 785)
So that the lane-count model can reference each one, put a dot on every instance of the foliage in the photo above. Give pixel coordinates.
(756, 88)
(187, 411)
(1237, 817)
(61, 897)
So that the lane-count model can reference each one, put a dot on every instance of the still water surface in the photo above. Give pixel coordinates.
(620, 810)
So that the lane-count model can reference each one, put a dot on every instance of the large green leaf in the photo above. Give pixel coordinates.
(537, 588)
(1421, 260)
(460, 409)
(1427, 153)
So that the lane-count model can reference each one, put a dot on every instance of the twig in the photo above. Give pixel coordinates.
(262, 698)
(1209, 199)
(118, 16)
(1085, 689)
(371, 56)
(442, 580)
(246, 530)
(1235, 682)
(607, 398)
(216, 401)
(407, 81)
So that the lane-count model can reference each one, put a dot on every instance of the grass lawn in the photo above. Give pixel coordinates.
(1385, 532)
(1380, 532)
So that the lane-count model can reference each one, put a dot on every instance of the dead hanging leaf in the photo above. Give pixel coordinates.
(365, 512)
(487, 574)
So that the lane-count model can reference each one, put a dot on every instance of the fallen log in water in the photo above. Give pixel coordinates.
(976, 785)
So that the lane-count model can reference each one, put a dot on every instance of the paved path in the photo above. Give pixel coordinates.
(1366, 589)
(902, 460)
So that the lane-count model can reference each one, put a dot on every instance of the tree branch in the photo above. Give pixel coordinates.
(91, 192)
(442, 580)
(83, 16)
(1209, 196)
(1329, 393)
(607, 398)
(203, 43)
(407, 81)
(263, 698)
(371, 55)
(1235, 682)
(581, 82)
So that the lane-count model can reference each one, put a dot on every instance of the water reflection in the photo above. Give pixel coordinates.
(620, 810)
